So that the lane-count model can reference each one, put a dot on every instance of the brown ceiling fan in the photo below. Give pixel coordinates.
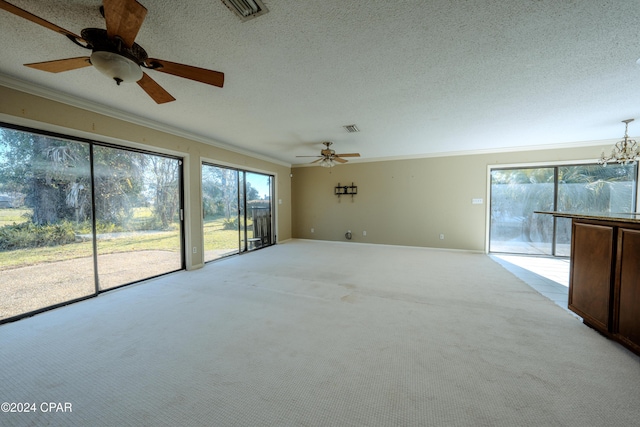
(114, 51)
(328, 157)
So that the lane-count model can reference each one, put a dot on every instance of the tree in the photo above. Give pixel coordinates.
(48, 171)
(165, 187)
(54, 175)
(220, 191)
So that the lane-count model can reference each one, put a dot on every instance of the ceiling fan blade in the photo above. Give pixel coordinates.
(36, 19)
(349, 155)
(316, 161)
(310, 156)
(339, 160)
(154, 90)
(60, 65)
(124, 19)
(202, 75)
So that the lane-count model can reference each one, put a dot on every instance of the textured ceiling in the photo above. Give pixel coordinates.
(417, 77)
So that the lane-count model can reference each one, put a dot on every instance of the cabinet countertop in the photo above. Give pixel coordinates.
(631, 217)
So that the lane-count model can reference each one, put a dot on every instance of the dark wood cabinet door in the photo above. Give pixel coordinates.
(591, 267)
(628, 287)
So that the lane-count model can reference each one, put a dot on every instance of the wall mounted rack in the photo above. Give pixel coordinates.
(345, 190)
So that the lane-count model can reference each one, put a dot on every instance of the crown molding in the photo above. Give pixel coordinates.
(74, 101)
(558, 146)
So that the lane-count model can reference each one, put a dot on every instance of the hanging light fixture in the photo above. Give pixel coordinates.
(327, 162)
(118, 67)
(624, 151)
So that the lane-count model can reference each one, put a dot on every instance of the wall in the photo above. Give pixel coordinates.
(20, 108)
(408, 202)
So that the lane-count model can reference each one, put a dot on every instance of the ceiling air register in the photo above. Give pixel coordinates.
(246, 9)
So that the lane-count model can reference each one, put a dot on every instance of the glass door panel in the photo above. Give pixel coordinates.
(138, 202)
(220, 212)
(258, 203)
(46, 252)
(515, 195)
(592, 189)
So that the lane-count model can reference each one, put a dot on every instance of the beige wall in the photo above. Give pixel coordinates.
(401, 202)
(28, 110)
(408, 202)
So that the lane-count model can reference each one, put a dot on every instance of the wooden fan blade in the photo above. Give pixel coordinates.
(339, 160)
(60, 65)
(154, 90)
(316, 161)
(310, 156)
(202, 75)
(349, 155)
(36, 19)
(124, 19)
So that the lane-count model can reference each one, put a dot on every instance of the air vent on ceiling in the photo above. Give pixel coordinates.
(351, 128)
(246, 9)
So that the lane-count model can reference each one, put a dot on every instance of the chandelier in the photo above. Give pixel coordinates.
(625, 151)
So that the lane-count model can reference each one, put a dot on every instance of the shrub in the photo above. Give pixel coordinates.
(30, 235)
(230, 224)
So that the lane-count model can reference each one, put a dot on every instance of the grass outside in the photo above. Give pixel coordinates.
(160, 240)
(11, 216)
(216, 237)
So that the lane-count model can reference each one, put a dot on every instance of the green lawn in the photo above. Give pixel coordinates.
(214, 234)
(10, 216)
(216, 237)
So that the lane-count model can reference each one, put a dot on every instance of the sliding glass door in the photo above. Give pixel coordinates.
(237, 211)
(221, 219)
(46, 253)
(78, 217)
(258, 207)
(137, 215)
(516, 193)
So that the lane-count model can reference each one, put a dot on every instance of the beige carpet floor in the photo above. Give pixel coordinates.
(320, 334)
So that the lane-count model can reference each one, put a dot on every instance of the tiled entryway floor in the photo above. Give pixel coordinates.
(547, 275)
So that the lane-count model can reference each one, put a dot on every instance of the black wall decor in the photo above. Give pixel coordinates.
(348, 190)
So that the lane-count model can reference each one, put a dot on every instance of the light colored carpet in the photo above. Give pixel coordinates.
(320, 334)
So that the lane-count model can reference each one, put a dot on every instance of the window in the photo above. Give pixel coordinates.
(78, 217)
(517, 192)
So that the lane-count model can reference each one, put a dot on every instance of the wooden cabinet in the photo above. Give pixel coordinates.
(590, 277)
(604, 284)
(627, 287)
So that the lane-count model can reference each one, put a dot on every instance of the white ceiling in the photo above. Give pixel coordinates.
(418, 78)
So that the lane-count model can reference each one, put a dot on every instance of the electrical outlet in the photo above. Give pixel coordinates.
(195, 250)
(313, 230)
(364, 233)
(441, 236)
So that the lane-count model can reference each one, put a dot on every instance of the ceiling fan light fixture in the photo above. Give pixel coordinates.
(119, 68)
(327, 163)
